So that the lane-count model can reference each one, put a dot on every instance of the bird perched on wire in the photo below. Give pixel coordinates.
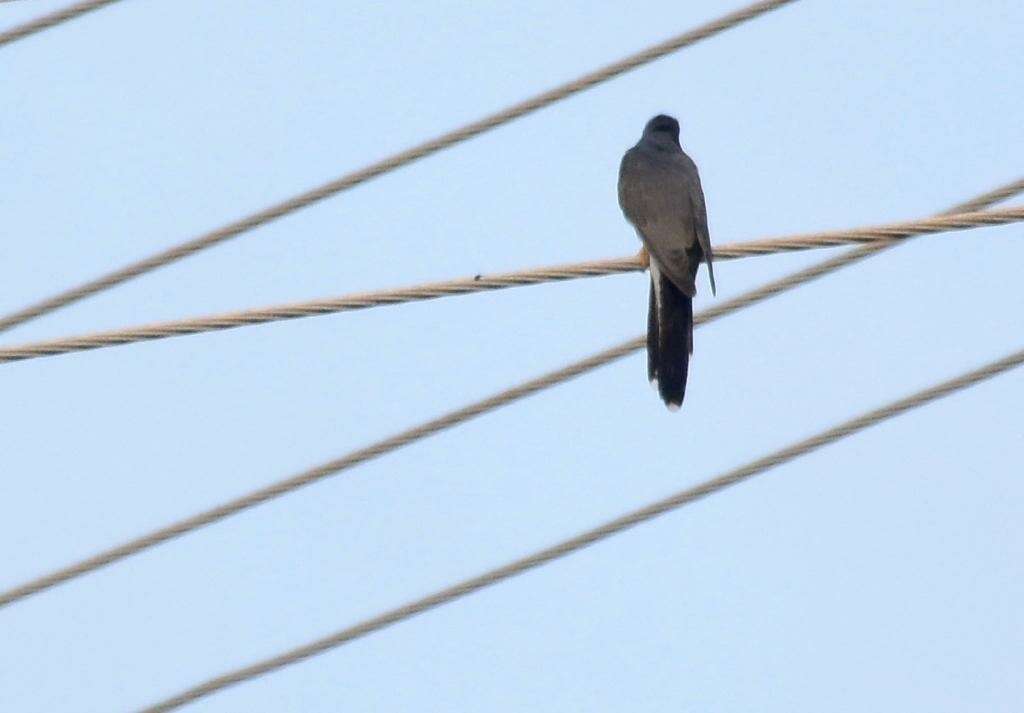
(660, 194)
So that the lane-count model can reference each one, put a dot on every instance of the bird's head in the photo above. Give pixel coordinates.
(662, 129)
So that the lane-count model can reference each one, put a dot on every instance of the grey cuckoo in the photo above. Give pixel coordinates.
(660, 193)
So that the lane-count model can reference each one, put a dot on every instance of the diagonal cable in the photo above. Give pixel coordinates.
(391, 163)
(54, 18)
(436, 425)
(590, 537)
(885, 234)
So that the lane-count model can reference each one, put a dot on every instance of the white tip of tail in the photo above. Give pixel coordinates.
(673, 407)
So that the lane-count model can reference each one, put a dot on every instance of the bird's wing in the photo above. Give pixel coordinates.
(655, 201)
(700, 224)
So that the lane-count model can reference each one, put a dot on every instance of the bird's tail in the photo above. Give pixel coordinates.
(669, 338)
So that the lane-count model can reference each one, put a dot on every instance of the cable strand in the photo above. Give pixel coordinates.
(593, 536)
(398, 160)
(449, 420)
(887, 234)
(52, 19)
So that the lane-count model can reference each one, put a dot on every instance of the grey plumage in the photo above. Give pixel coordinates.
(661, 195)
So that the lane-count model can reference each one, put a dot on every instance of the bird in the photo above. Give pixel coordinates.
(661, 196)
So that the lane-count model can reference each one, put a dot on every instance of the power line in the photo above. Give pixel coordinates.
(590, 537)
(332, 305)
(436, 425)
(1008, 190)
(54, 18)
(398, 160)
(979, 202)
(888, 233)
(316, 474)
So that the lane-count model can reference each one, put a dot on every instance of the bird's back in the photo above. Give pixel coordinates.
(655, 188)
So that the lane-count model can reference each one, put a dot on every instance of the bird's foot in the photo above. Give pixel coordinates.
(644, 257)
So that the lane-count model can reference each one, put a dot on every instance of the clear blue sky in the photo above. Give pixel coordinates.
(885, 573)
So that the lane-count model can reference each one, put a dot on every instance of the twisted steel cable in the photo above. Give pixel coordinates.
(590, 537)
(885, 235)
(398, 160)
(54, 18)
(449, 420)
(996, 195)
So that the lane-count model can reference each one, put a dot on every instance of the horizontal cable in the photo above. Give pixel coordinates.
(1008, 190)
(891, 231)
(54, 18)
(977, 203)
(480, 283)
(590, 537)
(389, 164)
(449, 420)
